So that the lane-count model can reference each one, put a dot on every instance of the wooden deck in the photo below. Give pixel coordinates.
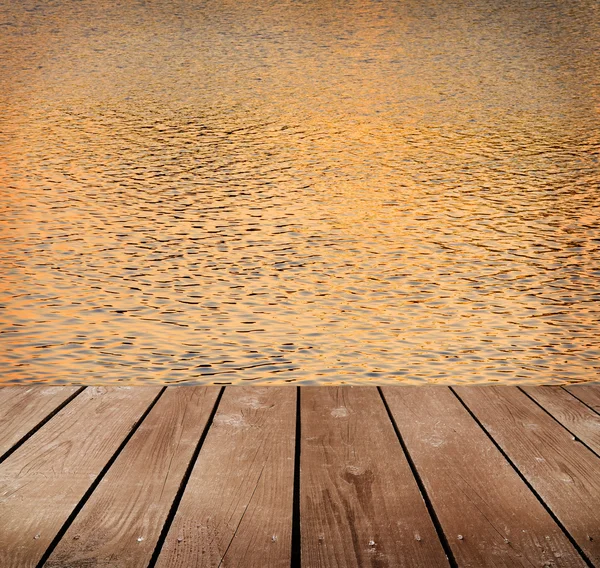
(289, 477)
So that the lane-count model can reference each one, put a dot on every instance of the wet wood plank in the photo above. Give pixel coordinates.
(562, 471)
(237, 506)
(487, 512)
(360, 504)
(22, 408)
(590, 394)
(120, 524)
(43, 480)
(570, 412)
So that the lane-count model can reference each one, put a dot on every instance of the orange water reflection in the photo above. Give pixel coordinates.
(300, 192)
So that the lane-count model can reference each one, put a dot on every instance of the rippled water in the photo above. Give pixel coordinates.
(312, 191)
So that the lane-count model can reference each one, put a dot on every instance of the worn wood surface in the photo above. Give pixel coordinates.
(120, 524)
(360, 504)
(237, 505)
(589, 394)
(23, 408)
(578, 418)
(43, 481)
(489, 516)
(564, 473)
(132, 477)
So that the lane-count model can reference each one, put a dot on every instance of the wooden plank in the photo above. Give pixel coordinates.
(570, 412)
(43, 481)
(590, 394)
(564, 473)
(489, 515)
(22, 408)
(237, 506)
(360, 505)
(121, 522)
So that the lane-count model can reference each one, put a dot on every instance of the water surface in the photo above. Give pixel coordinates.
(309, 191)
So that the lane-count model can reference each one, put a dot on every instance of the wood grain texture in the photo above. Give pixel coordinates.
(120, 524)
(237, 507)
(564, 473)
(487, 512)
(22, 408)
(571, 412)
(43, 481)
(590, 394)
(360, 504)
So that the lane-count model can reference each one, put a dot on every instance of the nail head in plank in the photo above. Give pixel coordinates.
(589, 394)
(570, 412)
(121, 522)
(44, 480)
(360, 504)
(563, 472)
(237, 504)
(489, 515)
(22, 408)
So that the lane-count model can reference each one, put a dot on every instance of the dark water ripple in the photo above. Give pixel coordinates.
(312, 192)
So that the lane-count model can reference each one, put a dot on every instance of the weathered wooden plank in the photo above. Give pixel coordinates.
(590, 394)
(571, 412)
(43, 480)
(237, 506)
(360, 505)
(489, 515)
(22, 408)
(121, 522)
(564, 473)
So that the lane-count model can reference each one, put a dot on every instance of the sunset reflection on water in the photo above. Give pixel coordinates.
(308, 192)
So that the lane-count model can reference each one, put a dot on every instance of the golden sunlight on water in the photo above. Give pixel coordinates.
(306, 191)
